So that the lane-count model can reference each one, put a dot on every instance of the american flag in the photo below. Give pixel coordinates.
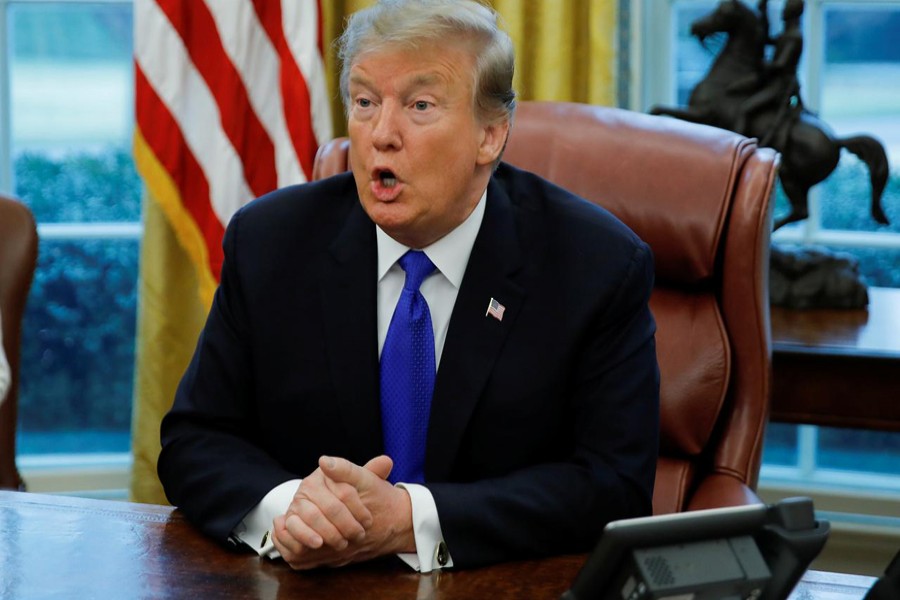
(495, 309)
(231, 103)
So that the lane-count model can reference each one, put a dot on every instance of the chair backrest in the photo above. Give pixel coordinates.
(700, 196)
(18, 259)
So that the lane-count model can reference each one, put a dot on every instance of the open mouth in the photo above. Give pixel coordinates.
(387, 178)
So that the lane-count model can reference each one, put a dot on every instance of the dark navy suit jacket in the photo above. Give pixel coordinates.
(544, 426)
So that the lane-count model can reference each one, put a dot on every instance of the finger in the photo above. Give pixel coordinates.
(299, 561)
(344, 471)
(380, 465)
(340, 469)
(340, 505)
(288, 547)
(300, 557)
(313, 529)
(295, 539)
(351, 500)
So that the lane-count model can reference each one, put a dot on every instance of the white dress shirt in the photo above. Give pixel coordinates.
(450, 256)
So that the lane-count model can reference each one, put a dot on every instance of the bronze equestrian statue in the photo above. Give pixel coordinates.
(745, 93)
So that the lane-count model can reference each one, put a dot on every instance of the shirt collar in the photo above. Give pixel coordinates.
(450, 254)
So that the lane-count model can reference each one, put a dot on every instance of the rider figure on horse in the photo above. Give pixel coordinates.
(744, 92)
(778, 81)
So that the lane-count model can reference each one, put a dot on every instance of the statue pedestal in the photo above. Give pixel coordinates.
(815, 277)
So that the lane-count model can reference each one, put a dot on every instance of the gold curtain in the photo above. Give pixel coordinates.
(170, 317)
(565, 49)
(334, 12)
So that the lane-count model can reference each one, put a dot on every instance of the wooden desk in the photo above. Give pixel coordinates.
(838, 367)
(62, 547)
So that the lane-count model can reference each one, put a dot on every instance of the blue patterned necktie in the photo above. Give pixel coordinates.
(407, 374)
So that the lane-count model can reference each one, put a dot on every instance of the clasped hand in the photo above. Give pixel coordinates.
(344, 513)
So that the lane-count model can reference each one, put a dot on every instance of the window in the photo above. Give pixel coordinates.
(850, 76)
(66, 91)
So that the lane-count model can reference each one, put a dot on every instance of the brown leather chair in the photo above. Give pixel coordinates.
(700, 197)
(18, 259)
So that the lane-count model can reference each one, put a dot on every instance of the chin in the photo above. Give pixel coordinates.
(388, 216)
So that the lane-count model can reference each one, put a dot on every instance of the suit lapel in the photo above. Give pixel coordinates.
(348, 288)
(474, 340)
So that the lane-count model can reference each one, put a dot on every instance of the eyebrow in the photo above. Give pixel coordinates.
(419, 80)
(358, 79)
(424, 79)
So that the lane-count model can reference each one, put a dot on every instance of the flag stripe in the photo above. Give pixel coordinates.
(320, 33)
(293, 86)
(225, 107)
(163, 192)
(301, 21)
(194, 23)
(255, 58)
(223, 115)
(181, 88)
(164, 137)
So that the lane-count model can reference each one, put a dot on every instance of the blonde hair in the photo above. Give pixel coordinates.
(412, 22)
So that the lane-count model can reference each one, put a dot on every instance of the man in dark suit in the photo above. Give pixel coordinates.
(532, 418)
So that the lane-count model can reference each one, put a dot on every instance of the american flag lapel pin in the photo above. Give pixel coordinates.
(495, 309)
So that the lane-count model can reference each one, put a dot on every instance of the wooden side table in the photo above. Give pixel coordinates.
(838, 368)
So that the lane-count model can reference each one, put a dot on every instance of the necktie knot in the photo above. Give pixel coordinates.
(417, 266)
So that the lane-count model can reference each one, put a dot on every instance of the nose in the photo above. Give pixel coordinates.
(386, 133)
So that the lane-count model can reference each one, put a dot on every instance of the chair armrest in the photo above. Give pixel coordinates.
(720, 490)
(332, 158)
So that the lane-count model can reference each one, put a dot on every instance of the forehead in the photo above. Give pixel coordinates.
(425, 64)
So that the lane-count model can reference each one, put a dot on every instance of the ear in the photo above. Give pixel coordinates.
(493, 138)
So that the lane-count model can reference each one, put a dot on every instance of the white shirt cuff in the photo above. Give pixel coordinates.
(431, 551)
(255, 529)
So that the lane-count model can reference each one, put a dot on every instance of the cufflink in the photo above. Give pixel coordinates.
(265, 539)
(441, 555)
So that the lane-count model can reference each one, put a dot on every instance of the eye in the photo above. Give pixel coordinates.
(421, 105)
(363, 102)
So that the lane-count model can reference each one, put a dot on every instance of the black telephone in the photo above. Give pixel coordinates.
(888, 585)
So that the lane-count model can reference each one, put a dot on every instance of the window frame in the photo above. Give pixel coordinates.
(653, 82)
(102, 475)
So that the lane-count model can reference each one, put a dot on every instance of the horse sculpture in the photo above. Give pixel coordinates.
(810, 150)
